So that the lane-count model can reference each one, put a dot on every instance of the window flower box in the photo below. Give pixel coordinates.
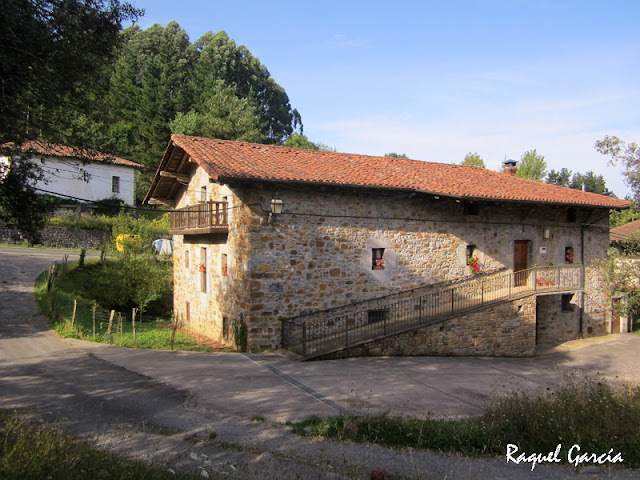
(202, 267)
(474, 264)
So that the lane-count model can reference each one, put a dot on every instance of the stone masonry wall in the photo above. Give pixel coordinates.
(58, 237)
(504, 330)
(555, 325)
(318, 253)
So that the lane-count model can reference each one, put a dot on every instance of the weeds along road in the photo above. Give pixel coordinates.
(132, 414)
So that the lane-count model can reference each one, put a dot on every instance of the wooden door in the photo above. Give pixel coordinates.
(520, 260)
(615, 320)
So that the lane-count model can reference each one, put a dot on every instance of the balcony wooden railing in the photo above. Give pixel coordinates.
(318, 333)
(206, 217)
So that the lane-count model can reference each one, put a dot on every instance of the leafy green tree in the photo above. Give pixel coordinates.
(224, 115)
(299, 140)
(626, 154)
(219, 58)
(19, 203)
(532, 166)
(473, 160)
(396, 155)
(622, 217)
(592, 183)
(562, 177)
(52, 51)
(51, 59)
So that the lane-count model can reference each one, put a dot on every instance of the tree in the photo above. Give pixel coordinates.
(219, 58)
(532, 166)
(224, 115)
(473, 160)
(299, 140)
(591, 182)
(628, 155)
(52, 55)
(396, 155)
(51, 51)
(562, 177)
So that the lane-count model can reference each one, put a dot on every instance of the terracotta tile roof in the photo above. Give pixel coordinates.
(624, 231)
(226, 160)
(86, 154)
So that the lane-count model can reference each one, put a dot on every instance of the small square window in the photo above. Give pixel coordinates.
(470, 208)
(377, 259)
(203, 270)
(378, 315)
(115, 184)
(471, 250)
(567, 306)
(568, 254)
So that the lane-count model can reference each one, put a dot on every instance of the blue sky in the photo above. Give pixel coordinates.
(436, 80)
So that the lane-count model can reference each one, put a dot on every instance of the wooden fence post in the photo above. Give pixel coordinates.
(113, 312)
(133, 324)
(173, 333)
(73, 315)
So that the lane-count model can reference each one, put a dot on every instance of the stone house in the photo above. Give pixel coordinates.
(286, 241)
(82, 173)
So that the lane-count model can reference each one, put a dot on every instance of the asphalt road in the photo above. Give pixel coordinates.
(152, 405)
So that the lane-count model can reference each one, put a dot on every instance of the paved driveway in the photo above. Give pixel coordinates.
(281, 388)
(193, 393)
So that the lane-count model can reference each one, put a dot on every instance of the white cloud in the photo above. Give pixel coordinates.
(340, 40)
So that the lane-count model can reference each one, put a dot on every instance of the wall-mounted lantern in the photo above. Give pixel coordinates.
(277, 205)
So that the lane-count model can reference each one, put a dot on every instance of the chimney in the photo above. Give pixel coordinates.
(510, 167)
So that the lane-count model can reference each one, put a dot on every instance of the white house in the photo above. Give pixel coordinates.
(82, 174)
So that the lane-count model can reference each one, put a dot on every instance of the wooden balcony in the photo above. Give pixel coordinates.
(203, 218)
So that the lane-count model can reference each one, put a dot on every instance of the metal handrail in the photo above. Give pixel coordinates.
(318, 333)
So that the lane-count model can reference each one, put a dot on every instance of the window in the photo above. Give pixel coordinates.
(187, 259)
(115, 184)
(225, 271)
(568, 254)
(225, 328)
(471, 250)
(377, 260)
(378, 315)
(203, 194)
(203, 270)
(567, 306)
(188, 311)
(470, 208)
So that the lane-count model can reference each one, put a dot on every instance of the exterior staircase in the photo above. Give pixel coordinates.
(328, 331)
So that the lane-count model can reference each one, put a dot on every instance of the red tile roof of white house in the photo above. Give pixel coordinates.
(62, 151)
(226, 160)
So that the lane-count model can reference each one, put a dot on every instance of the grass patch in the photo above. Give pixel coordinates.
(38, 451)
(91, 321)
(595, 414)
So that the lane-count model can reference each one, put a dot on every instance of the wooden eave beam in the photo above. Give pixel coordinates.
(162, 201)
(180, 177)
